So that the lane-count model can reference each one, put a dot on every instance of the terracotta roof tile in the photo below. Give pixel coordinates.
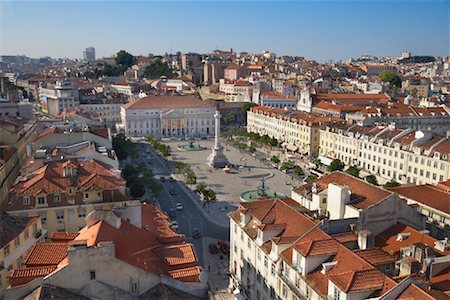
(46, 254)
(375, 256)
(428, 195)
(387, 240)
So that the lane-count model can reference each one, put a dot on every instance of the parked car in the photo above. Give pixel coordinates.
(213, 249)
(223, 246)
(172, 213)
(171, 179)
(179, 206)
(162, 178)
(196, 233)
(172, 192)
(174, 225)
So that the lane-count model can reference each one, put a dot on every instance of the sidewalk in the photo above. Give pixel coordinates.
(217, 270)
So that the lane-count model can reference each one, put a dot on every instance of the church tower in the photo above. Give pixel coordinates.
(304, 102)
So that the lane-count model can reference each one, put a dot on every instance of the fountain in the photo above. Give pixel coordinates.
(190, 146)
(261, 192)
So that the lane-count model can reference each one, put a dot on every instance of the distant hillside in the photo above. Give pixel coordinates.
(417, 59)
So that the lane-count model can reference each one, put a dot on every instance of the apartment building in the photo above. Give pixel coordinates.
(120, 254)
(279, 253)
(341, 196)
(63, 192)
(15, 136)
(432, 201)
(294, 130)
(17, 237)
(58, 97)
(404, 155)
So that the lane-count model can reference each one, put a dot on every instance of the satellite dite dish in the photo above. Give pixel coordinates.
(203, 277)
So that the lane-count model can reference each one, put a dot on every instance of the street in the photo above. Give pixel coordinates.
(188, 218)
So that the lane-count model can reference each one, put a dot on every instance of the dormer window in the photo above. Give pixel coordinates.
(26, 200)
(41, 200)
(56, 198)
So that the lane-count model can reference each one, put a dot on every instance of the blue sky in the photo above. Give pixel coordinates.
(318, 30)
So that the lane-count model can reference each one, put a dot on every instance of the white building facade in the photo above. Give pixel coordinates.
(168, 116)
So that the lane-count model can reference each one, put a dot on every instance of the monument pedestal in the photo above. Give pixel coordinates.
(217, 159)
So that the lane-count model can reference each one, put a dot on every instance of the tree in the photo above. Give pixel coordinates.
(391, 77)
(336, 165)
(229, 118)
(353, 171)
(392, 183)
(191, 178)
(252, 149)
(137, 189)
(124, 58)
(275, 159)
(312, 177)
(371, 179)
(209, 196)
(200, 187)
(298, 171)
(156, 69)
(287, 165)
(246, 107)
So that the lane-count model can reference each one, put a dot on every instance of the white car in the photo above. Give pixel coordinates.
(174, 225)
(179, 206)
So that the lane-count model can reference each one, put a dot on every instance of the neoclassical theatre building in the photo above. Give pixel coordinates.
(168, 116)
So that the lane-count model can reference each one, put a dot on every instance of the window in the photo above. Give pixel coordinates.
(19, 261)
(92, 275)
(266, 262)
(25, 234)
(86, 195)
(41, 200)
(16, 242)
(81, 212)
(60, 215)
(26, 200)
(249, 245)
(337, 294)
(273, 269)
(387, 267)
(56, 199)
(6, 250)
(44, 217)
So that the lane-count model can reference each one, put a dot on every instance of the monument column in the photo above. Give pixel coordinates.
(217, 159)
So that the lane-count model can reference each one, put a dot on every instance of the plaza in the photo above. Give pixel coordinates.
(246, 176)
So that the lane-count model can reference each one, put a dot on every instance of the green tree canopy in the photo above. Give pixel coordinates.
(275, 159)
(246, 107)
(336, 165)
(353, 171)
(230, 118)
(124, 58)
(298, 171)
(156, 69)
(391, 77)
(372, 179)
(392, 183)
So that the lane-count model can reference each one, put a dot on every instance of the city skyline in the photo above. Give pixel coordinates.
(158, 28)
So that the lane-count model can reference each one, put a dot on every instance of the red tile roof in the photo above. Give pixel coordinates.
(431, 196)
(63, 237)
(46, 254)
(23, 276)
(145, 248)
(387, 240)
(375, 256)
(90, 175)
(413, 292)
(157, 102)
(363, 194)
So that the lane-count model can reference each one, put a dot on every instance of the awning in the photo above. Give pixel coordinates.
(291, 147)
(325, 160)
